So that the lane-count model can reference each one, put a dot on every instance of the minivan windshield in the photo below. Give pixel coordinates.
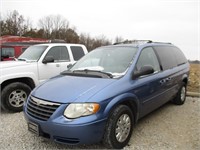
(32, 53)
(111, 60)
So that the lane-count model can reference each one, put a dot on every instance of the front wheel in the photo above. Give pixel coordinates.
(119, 128)
(14, 95)
(181, 95)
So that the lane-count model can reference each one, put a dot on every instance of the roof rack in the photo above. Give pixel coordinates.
(163, 42)
(138, 42)
(57, 41)
(133, 42)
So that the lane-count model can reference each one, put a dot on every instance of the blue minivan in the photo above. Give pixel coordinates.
(102, 96)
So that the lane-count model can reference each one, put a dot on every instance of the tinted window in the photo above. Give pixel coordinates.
(59, 53)
(148, 57)
(180, 58)
(77, 52)
(8, 51)
(166, 55)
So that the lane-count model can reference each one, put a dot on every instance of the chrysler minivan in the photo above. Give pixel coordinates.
(102, 96)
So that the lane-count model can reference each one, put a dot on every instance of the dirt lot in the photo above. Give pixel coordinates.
(168, 128)
(194, 80)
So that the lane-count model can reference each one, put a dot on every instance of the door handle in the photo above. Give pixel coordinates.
(57, 65)
(162, 81)
(165, 80)
(168, 79)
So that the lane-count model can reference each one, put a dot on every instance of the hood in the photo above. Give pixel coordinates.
(68, 89)
(9, 64)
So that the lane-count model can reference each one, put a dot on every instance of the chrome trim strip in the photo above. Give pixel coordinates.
(38, 102)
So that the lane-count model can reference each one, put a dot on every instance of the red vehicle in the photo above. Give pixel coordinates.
(13, 46)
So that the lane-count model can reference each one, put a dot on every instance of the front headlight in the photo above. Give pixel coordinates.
(76, 110)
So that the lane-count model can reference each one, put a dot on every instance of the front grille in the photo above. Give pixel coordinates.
(41, 109)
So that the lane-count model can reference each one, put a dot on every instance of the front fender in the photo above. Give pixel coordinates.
(15, 70)
(121, 99)
(12, 76)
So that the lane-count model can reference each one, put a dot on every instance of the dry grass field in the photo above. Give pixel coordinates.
(194, 80)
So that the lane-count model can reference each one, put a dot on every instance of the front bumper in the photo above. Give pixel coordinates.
(65, 131)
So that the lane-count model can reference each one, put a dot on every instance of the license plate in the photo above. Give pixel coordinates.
(33, 128)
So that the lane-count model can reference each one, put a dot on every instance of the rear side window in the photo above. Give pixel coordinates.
(180, 57)
(77, 52)
(59, 53)
(167, 57)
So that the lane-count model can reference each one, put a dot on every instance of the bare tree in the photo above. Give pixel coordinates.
(100, 41)
(92, 43)
(60, 22)
(21, 27)
(46, 23)
(86, 40)
(11, 22)
(14, 24)
(1, 24)
(28, 23)
(53, 26)
(118, 39)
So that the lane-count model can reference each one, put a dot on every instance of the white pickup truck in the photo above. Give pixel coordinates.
(36, 64)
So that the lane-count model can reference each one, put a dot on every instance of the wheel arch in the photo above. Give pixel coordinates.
(129, 100)
(185, 80)
(25, 80)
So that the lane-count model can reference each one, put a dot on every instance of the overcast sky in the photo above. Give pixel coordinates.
(175, 21)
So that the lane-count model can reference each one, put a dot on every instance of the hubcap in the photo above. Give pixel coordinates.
(183, 94)
(17, 98)
(123, 128)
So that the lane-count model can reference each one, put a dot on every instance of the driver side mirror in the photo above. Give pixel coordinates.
(48, 59)
(69, 66)
(144, 70)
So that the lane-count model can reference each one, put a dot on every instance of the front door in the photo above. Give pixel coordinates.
(149, 89)
(61, 60)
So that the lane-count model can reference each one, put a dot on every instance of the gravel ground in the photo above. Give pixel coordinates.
(168, 128)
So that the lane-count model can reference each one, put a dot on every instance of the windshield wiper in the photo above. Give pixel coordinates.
(22, 59)
(87, 71)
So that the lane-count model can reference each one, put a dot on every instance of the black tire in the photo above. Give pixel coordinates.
(110, 139)
(14, 95)
(181, 95)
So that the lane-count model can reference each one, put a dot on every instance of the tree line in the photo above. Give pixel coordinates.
(50, 27)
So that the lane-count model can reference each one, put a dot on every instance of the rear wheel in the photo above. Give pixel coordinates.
(119, 128)
(14, 95)
(181, 95)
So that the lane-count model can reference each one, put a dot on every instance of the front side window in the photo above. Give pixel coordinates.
(8, 51)
(113, 60)
(148, 57)
(59, 53)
